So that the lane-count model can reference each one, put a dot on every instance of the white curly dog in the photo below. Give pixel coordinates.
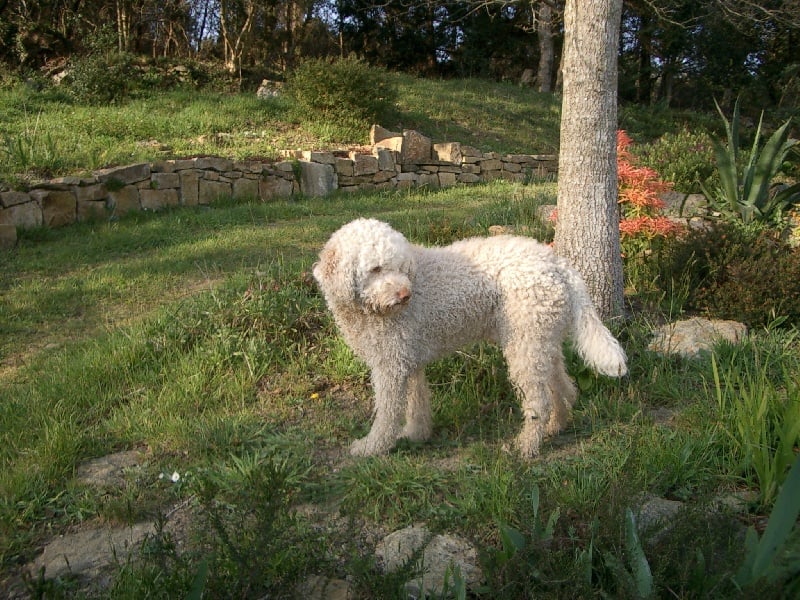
(400, 306)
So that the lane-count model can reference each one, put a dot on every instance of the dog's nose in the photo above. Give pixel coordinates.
(404, 295)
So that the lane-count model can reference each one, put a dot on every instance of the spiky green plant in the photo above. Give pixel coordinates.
(747, 192)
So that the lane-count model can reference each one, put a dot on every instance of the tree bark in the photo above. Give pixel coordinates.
(587, 231)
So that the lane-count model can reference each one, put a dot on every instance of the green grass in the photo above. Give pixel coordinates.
(196, 334)
(43, 133)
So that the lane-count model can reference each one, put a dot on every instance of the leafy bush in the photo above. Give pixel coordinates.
(744, 273)
(343, 90)
(100, 79)
(685, 158)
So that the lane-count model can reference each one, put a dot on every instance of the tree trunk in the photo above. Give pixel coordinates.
(587, 231)
(544, 30)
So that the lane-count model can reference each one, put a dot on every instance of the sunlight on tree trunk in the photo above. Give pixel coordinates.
(587, 231)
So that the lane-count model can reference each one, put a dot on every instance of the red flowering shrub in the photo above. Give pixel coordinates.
(639, 197)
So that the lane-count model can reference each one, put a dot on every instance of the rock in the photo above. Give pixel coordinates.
(416, 148)
(128, 174)
(448, 152)
(690, 337)
(89, 552)
(436, 557)
(317, 179)
(108, 471)
(269, 89)
(655, 516)
(317, 587)
(378, 134)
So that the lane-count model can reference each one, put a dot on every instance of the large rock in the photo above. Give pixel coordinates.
(26, 216)
(416, 148)
(317, 179)
(690, 337)
(378, 134)
(88, 553)
(436, 556)
(59, 208)
(126, 175)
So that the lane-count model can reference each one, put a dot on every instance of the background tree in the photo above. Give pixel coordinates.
(587, 230)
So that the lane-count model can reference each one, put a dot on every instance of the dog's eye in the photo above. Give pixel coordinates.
(375, 270)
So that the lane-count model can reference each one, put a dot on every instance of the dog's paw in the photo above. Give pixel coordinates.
(528, 443)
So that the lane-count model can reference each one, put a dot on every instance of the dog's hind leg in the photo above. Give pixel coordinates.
(419, 422)
(390, 406)
(530, 373)
(564, 396)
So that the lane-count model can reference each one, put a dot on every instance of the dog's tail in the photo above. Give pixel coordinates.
(592, 339)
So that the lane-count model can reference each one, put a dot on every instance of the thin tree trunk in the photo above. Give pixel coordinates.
(587, 231)
(544, 29)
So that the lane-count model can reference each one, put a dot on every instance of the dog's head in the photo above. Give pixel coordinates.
(366, 265)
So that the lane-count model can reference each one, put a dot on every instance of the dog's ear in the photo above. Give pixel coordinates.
(325, 268)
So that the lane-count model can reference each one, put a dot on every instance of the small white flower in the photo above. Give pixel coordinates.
(161, 476)
(175, 477)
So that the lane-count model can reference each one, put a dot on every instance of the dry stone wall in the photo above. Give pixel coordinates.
(394, 160)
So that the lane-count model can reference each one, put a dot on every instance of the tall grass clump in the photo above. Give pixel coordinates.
(758, 402)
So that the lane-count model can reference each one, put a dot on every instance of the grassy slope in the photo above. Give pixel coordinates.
(197, 336)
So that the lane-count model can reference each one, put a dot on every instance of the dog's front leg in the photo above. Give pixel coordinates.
(390, 406)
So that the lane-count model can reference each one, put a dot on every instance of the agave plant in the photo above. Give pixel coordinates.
(748, 193)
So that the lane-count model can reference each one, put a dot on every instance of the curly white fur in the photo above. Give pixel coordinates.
(400, 306)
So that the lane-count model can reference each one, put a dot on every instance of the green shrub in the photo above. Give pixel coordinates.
(744, 273)
(101, 79)
(685, 158)
(341, 90)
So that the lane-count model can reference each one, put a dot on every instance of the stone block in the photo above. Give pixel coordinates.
(416, 147)
(448, 152)
(512, 167)
(245, 188)
(156, 199)
(428, 179)
(471, 151)
(275, 187)
(249, 166)
(392, 144)
(189, 188)
(447, 179)
(89, 210)
(124, 200)
(406, 180)
(324, 158)
(127, 174)
(378, 134)
(387, 159)
(26, 216)
(59, 208)
(344, 166)
(91, 193)
(8, 199)
(213, 163)
(163, 181)
(468, 178)
(491, 164)
(209, 191)
(383, 176)
(317, 179)
(364, 164)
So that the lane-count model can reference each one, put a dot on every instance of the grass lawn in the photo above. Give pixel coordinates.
(197, 336)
